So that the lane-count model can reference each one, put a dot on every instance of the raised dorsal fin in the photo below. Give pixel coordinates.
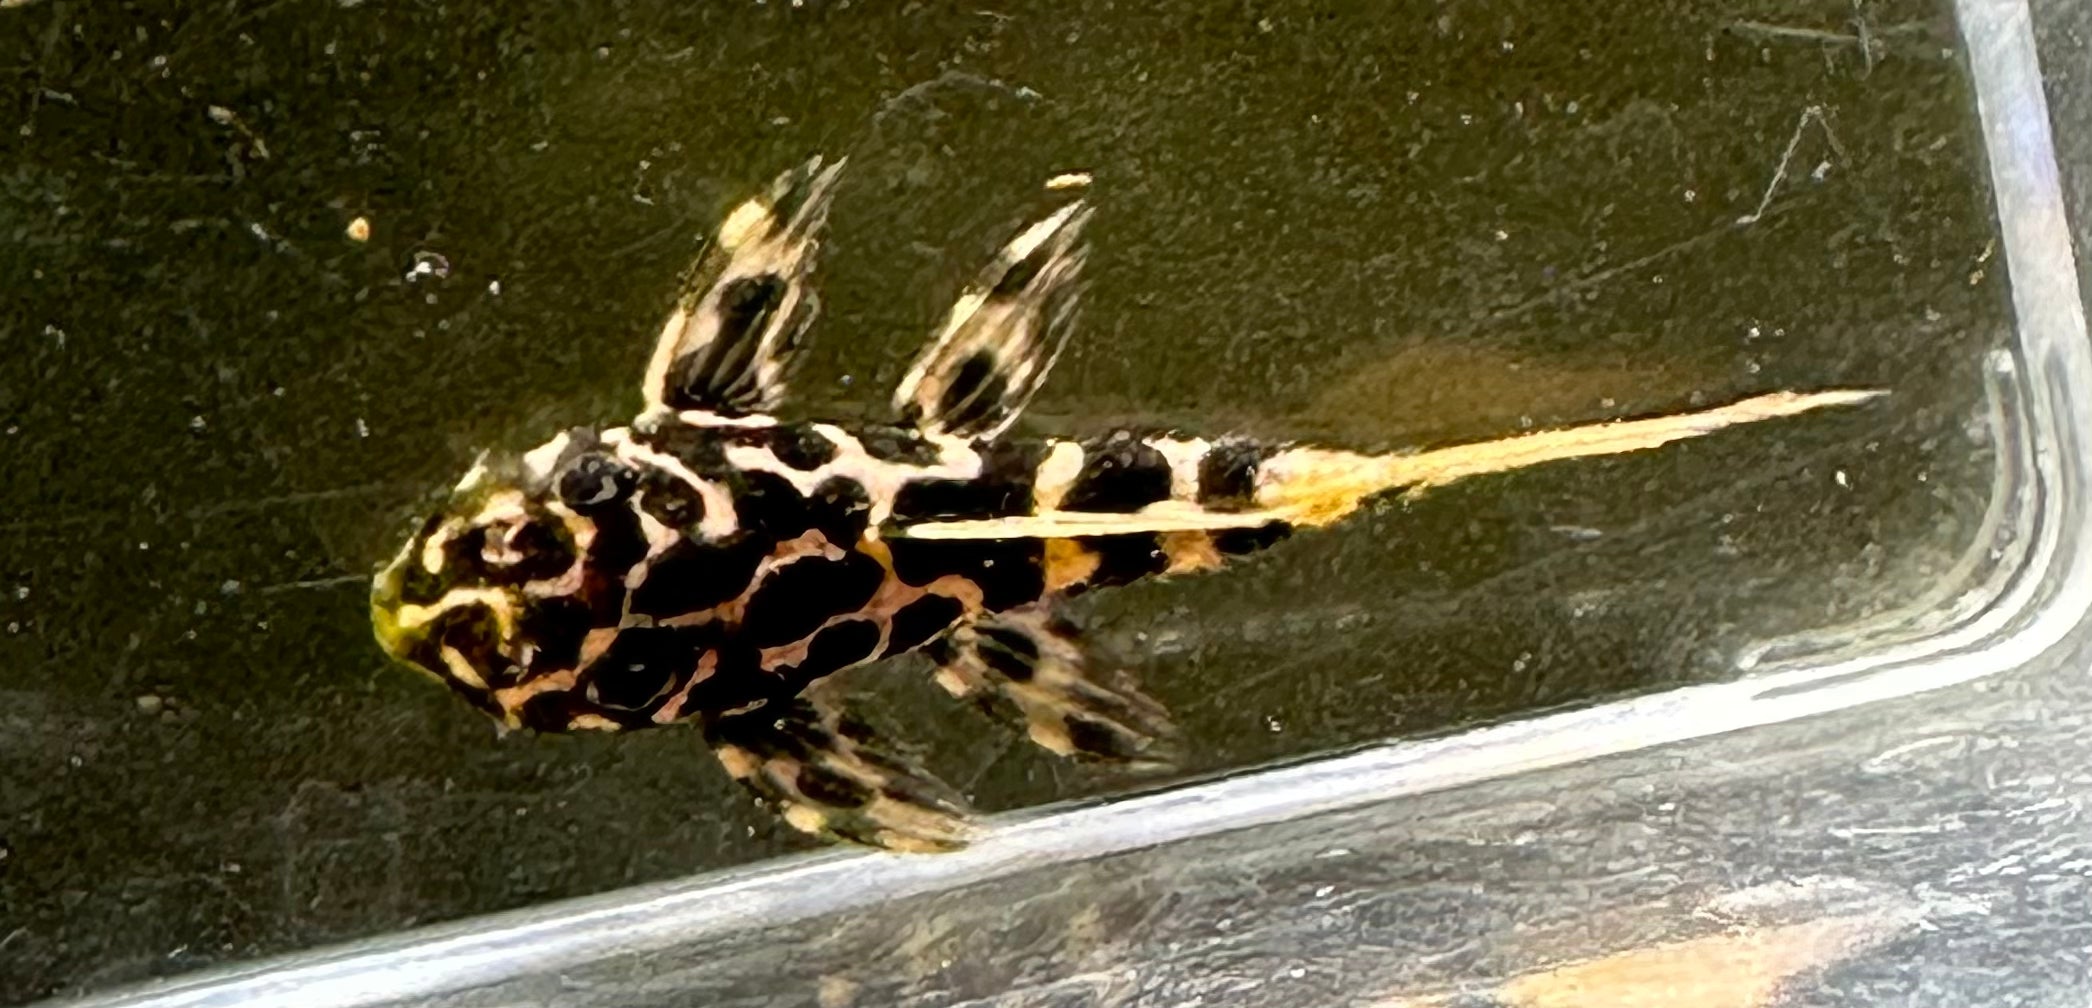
(1002, 335)
(728, 347)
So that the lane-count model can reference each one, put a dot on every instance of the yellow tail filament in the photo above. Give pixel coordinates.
(1316, 486)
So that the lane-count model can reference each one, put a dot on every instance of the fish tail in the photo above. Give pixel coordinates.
(1318, 486)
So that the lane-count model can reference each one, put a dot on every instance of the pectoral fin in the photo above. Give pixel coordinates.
(826, 774)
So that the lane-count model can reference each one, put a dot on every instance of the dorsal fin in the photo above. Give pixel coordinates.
(1003, 334)
(728, 347)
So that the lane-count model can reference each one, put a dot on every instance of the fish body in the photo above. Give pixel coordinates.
(712, 563)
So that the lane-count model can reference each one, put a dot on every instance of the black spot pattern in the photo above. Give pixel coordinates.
(797, 445)
(802, 595)
(619, 543)
(920, 620)
(642, 665)
(1122, 559)
(555, 627)
(841, 509)
(1099, 741)
(1021, 273)
(838, 646)
(767, 507)
(823, 786)
(1119, 474)
(1235, 542)
(1017, 649)
(690, 577)
(471, 631)
(670, 501)
(1003, 488)
(1008, 571)
(892, 444)
(736, 680)
(720, 372)
(697, 448)
(551, 711)
(1228, 475)
(974, 396)
(547, 550)
(593, 480)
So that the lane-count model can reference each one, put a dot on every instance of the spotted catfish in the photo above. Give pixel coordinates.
(711, 562)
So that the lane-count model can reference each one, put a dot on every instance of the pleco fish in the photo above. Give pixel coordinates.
(709, 562)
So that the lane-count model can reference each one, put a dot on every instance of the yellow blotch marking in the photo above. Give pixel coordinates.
(740, 764)
(512, 698)
(805, 819)
(593, 722)
(1068, 563)
(1189, 551)
(748, 221)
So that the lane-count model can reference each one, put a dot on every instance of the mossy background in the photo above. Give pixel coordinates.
(1376, 226)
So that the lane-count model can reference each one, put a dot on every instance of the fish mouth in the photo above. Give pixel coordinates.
(385, 601)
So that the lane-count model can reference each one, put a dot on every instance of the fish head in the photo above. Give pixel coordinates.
(493, 595)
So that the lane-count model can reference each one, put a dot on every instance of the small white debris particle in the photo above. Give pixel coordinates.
(196, 423)
(362, 429)
(1297, 972)
(428, 264)
(1842, 480)
(1324, 891)
(1264, 25)
(1691, 195)
(22, 593)
(359, 230)
(1069, 180)
(150, 704)
(229, 587)
(494, 287)
(1274, 725)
